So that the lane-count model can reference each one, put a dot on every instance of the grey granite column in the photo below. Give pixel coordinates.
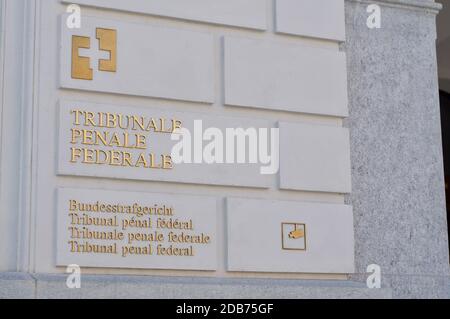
(397, 165)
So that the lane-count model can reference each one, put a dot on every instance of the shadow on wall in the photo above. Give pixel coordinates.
(445, 123)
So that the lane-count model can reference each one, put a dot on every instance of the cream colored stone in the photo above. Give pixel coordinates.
(256, 238)
(142, 230)
(314, 158)
(241, 13)
(158, 144)
(290, 77)
(323, 19)
(151, 61)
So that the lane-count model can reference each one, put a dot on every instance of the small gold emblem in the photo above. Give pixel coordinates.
(296, 234)
(293, 236)
(81, 65)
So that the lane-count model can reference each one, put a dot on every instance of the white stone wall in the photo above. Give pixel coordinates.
(256, 64)
(16, 101)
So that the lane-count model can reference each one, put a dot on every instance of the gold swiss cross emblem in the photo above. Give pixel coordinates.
(107, 43)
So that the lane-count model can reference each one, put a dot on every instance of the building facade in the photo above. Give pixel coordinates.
(86, 177)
